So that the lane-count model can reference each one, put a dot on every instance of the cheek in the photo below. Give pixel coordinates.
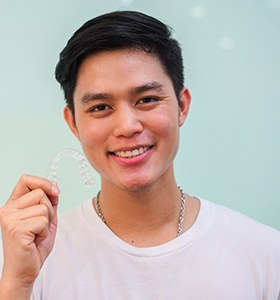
(166, 124)
(93, 144)
(169, 134)
(91, 130)
(91, 135)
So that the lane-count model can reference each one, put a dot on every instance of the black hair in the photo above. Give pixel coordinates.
(119, 30)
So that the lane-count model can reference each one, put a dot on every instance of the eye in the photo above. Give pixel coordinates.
(99, 108)
(147, 100)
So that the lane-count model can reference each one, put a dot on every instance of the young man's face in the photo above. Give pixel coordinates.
(127, 118)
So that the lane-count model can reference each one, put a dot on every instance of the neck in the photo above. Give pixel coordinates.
(145, 217)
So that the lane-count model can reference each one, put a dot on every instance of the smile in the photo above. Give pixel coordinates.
(131, 153)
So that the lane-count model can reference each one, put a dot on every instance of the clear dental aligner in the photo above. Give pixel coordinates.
(83, 164)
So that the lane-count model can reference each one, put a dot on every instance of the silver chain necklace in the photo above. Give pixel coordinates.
(181, 215)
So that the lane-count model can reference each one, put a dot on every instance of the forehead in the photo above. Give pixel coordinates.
(120, 74)
(127, 66)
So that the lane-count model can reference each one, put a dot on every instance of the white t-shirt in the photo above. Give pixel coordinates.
(223, 256)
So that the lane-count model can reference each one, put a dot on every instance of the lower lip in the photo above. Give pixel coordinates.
(133, 160)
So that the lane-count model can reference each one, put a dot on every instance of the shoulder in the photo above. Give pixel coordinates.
(240, 221)
(236, 227)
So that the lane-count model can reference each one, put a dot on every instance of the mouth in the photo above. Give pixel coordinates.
(131, 153)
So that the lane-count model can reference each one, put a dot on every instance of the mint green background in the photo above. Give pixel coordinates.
(230, 144)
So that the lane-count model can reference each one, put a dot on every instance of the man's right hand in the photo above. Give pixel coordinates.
(29, 222)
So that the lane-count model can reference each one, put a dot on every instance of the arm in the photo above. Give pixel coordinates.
(29, 222)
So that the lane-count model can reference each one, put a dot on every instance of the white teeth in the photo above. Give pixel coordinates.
(135, 152)
(132, 153)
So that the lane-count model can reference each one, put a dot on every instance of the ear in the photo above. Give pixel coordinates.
(185, 102)
(70, 120)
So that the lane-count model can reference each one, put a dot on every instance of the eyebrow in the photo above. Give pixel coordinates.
(88, 97)
(149, 86)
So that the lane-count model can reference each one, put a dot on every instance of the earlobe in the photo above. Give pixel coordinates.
(70, 120)
(184, 106)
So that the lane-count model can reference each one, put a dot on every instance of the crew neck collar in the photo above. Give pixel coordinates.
(100, 229)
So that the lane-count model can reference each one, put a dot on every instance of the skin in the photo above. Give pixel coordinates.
(123, 101)
(29, 222)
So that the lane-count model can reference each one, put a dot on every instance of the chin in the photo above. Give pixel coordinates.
(136, 186)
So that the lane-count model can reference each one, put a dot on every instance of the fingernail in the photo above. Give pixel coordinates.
(55, 189)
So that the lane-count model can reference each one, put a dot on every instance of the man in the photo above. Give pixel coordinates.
(141, 237)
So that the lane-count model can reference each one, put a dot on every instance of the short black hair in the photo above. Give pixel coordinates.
(114, 31)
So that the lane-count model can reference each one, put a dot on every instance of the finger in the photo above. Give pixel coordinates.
(37, 228)
(34, 198)
(39, 210)
(28, 183)
(31, 199)
(24, 232)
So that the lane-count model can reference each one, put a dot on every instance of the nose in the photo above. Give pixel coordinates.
(127, 122)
